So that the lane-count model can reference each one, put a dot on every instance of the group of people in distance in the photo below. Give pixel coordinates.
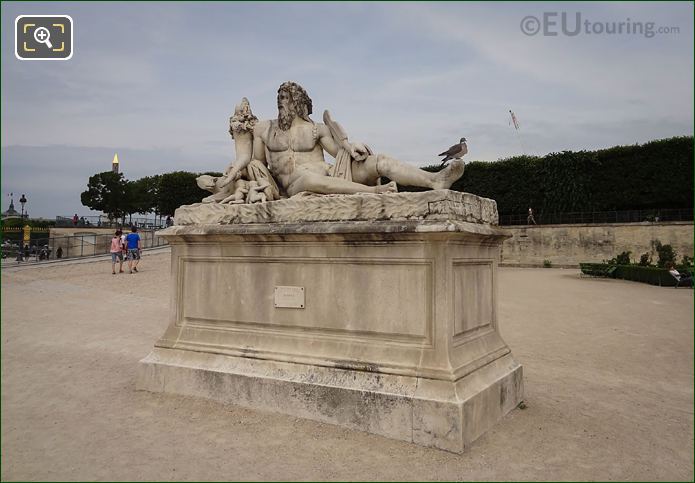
(128, 246)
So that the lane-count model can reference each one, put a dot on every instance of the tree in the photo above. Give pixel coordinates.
(107, 192)
(142, 194)
(176, 189)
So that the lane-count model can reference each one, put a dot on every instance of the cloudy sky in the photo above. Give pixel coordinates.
(157, 82)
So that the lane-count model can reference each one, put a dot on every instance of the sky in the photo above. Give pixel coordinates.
(157, 82)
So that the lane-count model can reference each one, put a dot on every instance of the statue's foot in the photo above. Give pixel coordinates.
(446, 177)
(390, 187)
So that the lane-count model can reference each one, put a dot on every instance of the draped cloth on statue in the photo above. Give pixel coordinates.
(343, 161)
(258, 171)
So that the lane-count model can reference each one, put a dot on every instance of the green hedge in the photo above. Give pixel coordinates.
(650, 275)
(655, 175)
(636, 273)
(597, 269)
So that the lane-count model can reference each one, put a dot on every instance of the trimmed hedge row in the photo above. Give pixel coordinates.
(651, 275)
(655, 175)
(597, 269)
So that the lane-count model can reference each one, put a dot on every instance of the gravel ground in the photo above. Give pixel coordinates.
(608, 368)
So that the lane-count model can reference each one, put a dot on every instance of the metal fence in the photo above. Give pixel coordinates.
(625, 216)
(104, 222)
(63, 247)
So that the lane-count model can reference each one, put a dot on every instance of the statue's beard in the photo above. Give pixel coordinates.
(285, 118)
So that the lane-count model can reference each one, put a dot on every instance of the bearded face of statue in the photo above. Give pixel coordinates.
(286, 110)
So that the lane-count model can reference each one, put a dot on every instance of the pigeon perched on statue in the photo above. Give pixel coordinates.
(455, 152)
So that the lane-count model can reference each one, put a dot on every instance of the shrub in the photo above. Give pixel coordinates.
(623, 258)
(597, 269)
(547, 263)
(645, 260)
(636, 273)
(687, 261)
(587, 180)
(650, 275)
(666, 253)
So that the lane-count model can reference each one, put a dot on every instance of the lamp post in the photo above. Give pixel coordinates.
(23, 200)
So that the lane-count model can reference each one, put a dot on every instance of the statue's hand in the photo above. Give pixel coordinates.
(228, 169)
(222, 182)
(359, 151)
(233, 175)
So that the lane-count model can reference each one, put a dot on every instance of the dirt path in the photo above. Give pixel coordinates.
(608, 370)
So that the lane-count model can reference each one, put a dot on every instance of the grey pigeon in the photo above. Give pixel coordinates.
(455, 152)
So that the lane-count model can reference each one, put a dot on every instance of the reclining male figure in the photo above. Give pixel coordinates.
(292, 147)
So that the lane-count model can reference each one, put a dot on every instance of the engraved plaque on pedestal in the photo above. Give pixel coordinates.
(289, 297)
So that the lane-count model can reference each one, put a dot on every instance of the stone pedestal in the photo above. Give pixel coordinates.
(386, 326)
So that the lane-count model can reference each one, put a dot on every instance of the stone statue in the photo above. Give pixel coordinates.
(256, 193)
(241, 189)
(292, 147)
(209, 183)
(232, 193)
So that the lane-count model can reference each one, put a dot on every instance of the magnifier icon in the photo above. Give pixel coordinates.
(43, 36)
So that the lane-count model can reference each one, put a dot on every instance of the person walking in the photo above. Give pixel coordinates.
(116, 252)
(134, 246)
(530, 219)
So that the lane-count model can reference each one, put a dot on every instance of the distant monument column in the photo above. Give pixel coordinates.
(114, 163)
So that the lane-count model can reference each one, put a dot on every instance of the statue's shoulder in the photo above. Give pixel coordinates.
(262, 128)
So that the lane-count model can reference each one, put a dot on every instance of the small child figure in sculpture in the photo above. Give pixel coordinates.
(256, 193)
(241, 189)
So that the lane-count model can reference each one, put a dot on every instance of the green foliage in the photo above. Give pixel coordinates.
(161, 194)
(687, 261)
(658, 174)
(176, 189)
(142, 194)
(547, 264)
(107, 192)
(666, 253)
(650, 275)
(597, 269)
(645, 259)
(636, 273)
(13, 222)
(623, 258)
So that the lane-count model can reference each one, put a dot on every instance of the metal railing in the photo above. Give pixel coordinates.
(624, 216)
(104, 222)
(64, 247)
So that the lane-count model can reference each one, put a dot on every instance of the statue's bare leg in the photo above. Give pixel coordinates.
(317, 183)
(369, 170)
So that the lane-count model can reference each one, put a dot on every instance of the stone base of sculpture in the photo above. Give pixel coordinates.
(386, 326)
